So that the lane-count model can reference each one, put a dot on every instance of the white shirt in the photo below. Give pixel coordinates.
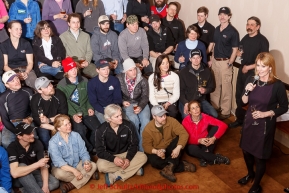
(47, 48)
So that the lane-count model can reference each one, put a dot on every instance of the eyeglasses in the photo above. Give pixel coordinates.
(45, 28)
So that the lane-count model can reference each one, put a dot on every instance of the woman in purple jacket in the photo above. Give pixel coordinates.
(56, 11)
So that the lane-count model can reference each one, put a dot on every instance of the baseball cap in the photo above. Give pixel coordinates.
(42, 82)
(102, 19)
(131, 19)
(8, 76)
(128, 64)
(101, 63)
(154, 17)
(195, 52)
(225, 10)
(158, 110)
(23, 128)
(67, 64)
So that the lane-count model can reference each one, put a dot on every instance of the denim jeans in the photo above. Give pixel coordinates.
(32, 182)
(44, 136)
(8, 136)
(206, 108)
(50, 70)
(2, 87)
(99, 116)
(2, 190)
(88, 122)
(118, 69)
(141, 119)
(117, 27)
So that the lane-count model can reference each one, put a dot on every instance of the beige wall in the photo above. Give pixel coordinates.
(274, 15)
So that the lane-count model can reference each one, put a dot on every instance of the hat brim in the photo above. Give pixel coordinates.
(45, 85)
(102, 22)
(11, 78)
(161, 113)
(27, 131)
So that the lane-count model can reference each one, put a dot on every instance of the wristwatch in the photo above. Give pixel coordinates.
(229, 64)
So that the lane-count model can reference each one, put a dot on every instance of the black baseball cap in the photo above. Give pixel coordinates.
(23, 128)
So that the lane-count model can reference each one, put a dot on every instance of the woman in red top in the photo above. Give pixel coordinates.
(202, 137)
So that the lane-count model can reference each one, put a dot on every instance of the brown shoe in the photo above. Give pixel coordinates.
(95, 176)
(223, 117)
(167, 172)
(66, 187)
(189, 167)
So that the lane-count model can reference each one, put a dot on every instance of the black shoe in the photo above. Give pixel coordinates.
(246, 179)
(203, 163)
(235, 124)
(223, 117)
(286, 190)
(221, 160)
(258, 190)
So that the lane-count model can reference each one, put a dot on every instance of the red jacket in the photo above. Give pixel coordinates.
(163, 12)
(197, 131)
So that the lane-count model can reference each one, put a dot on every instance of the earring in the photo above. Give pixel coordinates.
(270, 70)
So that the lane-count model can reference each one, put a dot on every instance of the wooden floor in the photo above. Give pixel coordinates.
(210, 179)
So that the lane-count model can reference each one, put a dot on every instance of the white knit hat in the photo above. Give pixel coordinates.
(128, 64)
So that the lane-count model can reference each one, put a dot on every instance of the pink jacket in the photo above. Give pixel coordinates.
(197, 131)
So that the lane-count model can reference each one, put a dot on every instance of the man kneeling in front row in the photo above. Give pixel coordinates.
(163, 139)
(117, 147)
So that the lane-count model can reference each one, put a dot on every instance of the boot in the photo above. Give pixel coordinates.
(66, 187)
(167, 172)
(95, 176)
(221, 160)
(189, 167)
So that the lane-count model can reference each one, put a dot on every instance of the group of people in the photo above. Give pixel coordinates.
(118, 97)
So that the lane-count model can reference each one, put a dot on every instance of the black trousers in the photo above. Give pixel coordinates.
(199, 151)
(88, 122)
(240, 86)
(159, 163)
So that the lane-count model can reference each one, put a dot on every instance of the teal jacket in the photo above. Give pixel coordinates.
(68, 88)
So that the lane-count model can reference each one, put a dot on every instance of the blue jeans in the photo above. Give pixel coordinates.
(119, 69)
(32, 182)
(44, 136)
(141, 119)
(99, 116)
(50, 70)
(8, 136)
(2, 190)
(2, 87)
(206, 107)
(117, 27)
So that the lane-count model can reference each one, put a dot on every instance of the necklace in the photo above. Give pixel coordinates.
(195, 121)
(262, 84)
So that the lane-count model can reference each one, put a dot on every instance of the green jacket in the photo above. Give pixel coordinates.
(68, 88)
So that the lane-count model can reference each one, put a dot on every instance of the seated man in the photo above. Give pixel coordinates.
(28, 166)
(14, 106)
(133, 43)
(196, 82)
(5, 180)
(174, 24)
(116, 147)
(77, 44)
(103, 89)
(163, 139)
(45, 106)
(104, 44)
(135, 97)
(161, 40)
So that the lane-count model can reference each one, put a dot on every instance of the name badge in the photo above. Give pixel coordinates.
(205, 31)
(21, 11)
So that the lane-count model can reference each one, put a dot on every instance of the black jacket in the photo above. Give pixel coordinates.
(108, 143)
(189, 83)
(57, 50)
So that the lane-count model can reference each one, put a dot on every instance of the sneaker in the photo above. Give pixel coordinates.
(110, 178)
(167, 172)
(140, 172)
(221, 160)
(189, 167)
(203, 163)
(66, 187)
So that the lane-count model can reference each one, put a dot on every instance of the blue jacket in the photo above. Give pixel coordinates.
(70, 153)
(18, 11)
(5, 178)
(102, 94)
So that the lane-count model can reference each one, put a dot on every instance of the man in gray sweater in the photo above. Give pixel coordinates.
(104, 44)
(133, 43)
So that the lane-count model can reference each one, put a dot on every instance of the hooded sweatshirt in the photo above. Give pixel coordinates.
(104, 45)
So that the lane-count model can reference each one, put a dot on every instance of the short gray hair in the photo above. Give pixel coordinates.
(111, 110)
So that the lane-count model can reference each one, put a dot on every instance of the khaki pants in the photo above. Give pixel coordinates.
(222, 96)
(69, 177)
(136, 163)
(90, 70)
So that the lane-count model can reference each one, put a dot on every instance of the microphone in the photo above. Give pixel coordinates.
(256, 78)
